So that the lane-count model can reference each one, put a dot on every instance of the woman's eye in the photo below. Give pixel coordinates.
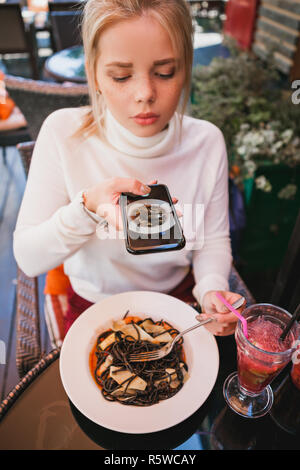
(165, 75)
(121, 79)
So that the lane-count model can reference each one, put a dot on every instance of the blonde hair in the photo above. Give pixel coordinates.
(173, 15)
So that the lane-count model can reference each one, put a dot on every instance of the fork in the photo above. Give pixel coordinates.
(165, 350)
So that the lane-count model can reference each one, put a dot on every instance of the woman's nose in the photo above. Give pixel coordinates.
(145, 91)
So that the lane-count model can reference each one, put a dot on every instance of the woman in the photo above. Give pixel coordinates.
(138, 60)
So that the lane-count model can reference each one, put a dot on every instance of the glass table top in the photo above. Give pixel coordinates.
(67, 64)
(43, 417)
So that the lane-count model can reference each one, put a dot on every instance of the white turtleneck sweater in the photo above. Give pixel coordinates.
(52, 227)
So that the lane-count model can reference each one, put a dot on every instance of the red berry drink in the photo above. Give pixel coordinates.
(256, 369)
(260, 356)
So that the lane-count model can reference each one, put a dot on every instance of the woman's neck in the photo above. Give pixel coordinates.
(143, 147)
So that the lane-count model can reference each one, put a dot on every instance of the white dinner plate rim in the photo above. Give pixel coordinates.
(70, 380)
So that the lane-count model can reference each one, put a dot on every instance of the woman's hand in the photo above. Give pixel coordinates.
(224, 320)
(103, 198)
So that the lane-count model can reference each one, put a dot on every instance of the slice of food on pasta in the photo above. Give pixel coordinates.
(121, 375)
(108, 341)
(105, 365)
(139, 333)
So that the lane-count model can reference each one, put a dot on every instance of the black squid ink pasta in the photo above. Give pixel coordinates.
(138, 383)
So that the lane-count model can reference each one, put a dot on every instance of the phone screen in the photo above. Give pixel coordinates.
(150, 222)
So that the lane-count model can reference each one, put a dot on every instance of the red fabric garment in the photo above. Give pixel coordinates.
(184, 290)
(77, 304)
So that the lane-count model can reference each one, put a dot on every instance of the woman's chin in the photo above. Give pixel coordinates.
(147, 131)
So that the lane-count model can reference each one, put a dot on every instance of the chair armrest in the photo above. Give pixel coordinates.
(25, 150)
(28, 349)
(25, 381)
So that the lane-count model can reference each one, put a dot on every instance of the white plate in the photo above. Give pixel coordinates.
(202, 357)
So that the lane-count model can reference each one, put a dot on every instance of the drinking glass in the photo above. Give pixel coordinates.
(248, 391)
(295, 372)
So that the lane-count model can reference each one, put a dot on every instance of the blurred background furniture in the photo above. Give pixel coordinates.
(64, 18)
(37, 99)
(66, 65)
(267, 28)
(240, 21)
(11, 138)
(15, 37)
(278, 32)
(58, 5)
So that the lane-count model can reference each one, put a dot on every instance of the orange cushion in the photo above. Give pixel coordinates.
(6, 103)
(16, 120)
(6, 108)
(56, 281)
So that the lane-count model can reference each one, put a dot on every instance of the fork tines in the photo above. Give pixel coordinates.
(145, 356)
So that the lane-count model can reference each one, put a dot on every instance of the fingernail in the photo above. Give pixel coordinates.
(203, 316)
(145, 189)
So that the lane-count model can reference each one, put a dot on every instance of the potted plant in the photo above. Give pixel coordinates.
(250, 102)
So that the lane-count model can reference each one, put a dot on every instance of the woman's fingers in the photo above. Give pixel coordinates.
(231, 297)
(116, 186)
(112, 215)
(128, 185)
(217, 327)
(225, 318)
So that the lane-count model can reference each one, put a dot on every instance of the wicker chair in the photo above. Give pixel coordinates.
(37, 99)
(11, 138)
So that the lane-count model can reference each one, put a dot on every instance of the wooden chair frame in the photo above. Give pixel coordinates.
(29, 44)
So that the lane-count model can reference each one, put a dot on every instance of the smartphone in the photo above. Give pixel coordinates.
(150, 222)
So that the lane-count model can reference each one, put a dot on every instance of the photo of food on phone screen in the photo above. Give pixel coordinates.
(150, 216)
(151, 223)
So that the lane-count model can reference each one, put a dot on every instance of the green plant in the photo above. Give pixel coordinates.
(245, 98)
(268, 144)
(234, 90)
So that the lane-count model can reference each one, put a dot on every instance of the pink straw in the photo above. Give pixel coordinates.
(230, 307)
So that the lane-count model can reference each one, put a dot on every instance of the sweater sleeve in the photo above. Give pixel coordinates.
(50, 227)
(212, 263)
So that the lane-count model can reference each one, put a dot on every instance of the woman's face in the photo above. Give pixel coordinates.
(139, 75)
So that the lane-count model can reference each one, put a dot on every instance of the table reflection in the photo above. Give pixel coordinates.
(44, 418)
(67, 65)
(183, 434)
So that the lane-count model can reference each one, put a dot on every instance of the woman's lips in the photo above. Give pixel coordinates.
(145, 119)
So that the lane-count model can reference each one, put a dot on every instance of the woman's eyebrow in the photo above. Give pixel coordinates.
(165, 61)
(120, 64)
(129, 64)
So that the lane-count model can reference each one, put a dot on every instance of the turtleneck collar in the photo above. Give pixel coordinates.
(143, 147)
